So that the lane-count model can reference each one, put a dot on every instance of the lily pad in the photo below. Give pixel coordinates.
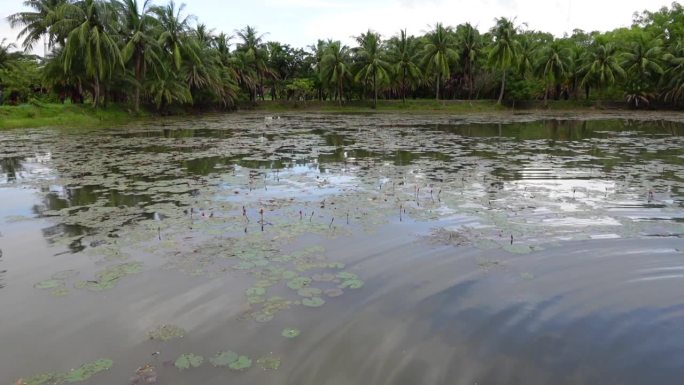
(290, 332)
(332, 293)
(351, 284)
(224, 358)
(242, 363)
(88, 370)
(298, 283)
(255, 291)
(66, 274)
(309, 292)
(269, 362)
(108, 278)
(49, 284)
(313, 302)
(187, 361)
(345, 275)
(166, 332)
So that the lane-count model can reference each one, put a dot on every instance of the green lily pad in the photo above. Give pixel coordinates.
(323, 277)
(49, 284)
(166, 332)
(242, 363)
(309, 292)
(345, 275)
(290, 333)
(332, 293)
(298, 283)
(313, 302)
(88, 370)
(351, 284)
(255, 291)
(108, 278)
(224, 358)
(289, 274)
(44, 379)
(269, 362)
(187, 361)
(60, 292)
(256, 299)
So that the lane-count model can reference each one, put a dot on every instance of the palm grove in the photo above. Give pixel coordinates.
(133, 52)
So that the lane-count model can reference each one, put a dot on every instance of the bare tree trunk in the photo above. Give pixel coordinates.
(96, 92)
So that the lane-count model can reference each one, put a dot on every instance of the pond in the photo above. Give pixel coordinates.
(345, 249)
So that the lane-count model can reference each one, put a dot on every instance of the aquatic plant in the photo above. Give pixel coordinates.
(222, 359)
(166, 332)
(242, 363)
(187, 361)
(290, 332)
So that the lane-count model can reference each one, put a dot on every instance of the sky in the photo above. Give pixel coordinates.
(301, 22)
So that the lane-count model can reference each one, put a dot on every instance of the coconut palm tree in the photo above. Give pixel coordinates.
(36, 23)
(505, 49)
(438, 52)
(602, 66)
(8, 58)
(141, 47)
(402, 55)
(318, 52)
(335, 66)
(470, 49)
(553, 66)
(374, 67)
(174, 26)
(644, 59)
(91, 40)
(254, 54)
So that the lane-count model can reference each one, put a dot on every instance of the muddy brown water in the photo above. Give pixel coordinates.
(485, 249)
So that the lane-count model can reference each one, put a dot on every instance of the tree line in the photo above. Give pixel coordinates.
(130, 51)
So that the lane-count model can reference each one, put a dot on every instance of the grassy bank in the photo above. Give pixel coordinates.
(77, 116)
(430, 106)
(61, 115)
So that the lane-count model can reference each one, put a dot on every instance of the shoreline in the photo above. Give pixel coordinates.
(56, 115)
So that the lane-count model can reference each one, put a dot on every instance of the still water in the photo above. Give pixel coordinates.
(345, 249)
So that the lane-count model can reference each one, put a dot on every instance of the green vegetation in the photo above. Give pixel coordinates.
(127, 56)
(38, 114)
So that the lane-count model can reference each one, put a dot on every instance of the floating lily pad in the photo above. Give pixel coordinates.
(60, 292)
(109, 277)
(242, 363)
(309, 292)
(290, 333)
(255, 300)
(336, 292)
(298, 283)
(323, 277)
(49, 284)
(88, 370)
(313, 302)
(289, 274)
(166, 332)
(263, 317)
(346, 275)
(224, 358)
(351, 284)
(269, 362)
(187, 361)
(255, 291)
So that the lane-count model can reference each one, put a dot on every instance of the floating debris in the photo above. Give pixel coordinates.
(166, 333)
(269, 362)
(109, 277)
(145, 375)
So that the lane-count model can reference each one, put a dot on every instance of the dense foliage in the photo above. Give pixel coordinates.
(129, 51)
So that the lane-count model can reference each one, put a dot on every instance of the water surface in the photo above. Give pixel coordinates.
(518, 249)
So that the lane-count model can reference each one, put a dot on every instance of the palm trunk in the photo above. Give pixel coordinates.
(439, 76)
(138, 77)
(96, 92)
(546, 96)
(340, 95)
(375, 91)
(403, 87)
(503, 88)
